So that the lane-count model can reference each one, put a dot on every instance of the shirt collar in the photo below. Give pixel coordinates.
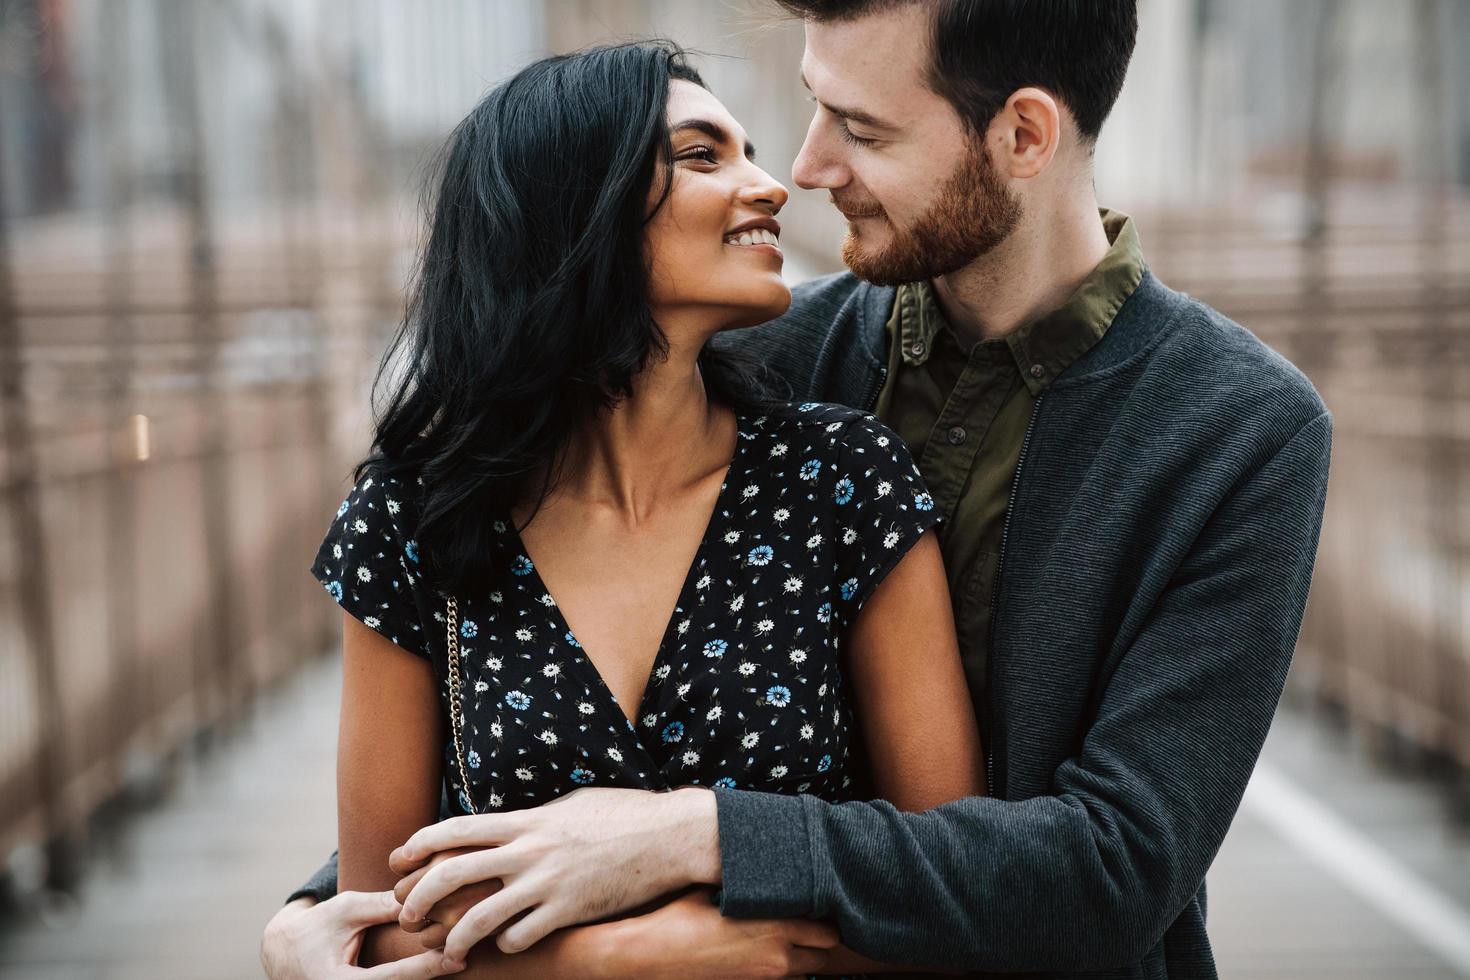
(1045, 347)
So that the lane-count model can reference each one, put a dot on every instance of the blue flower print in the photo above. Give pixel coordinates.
(518, 700)
(725, 782)
(843, 491)
(807, 406)
(521, 566)
(761, 554)
(922, 501)
(824, 763)
(464, 802)
(581, 776)
(343, 509)
(849, 588)
(411, 548)
(673, 731)
(715, 648)
(572, 640)
(335, 588)
(778, 695)
(468, 629)
(473, 759)
(810, 469)
(824, 613)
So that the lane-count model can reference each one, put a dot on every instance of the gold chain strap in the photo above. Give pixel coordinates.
(456, 710)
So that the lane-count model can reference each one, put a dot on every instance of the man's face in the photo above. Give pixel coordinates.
(920, 195)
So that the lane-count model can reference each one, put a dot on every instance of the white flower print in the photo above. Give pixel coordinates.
(496, 731)
(372, 621)
(547, 600)
(336, 551)
(614, 754)
(495, 801)
(749, 492)
(360, 526)
(777, 772)
(363, 575)
(890, 540)
(807, 731)
(746, 668)
(814, 542)
(834, 426)
(367, 484)
(662, 672)
(737, 603)
(683, 627)
(525, 774)
(492, 663)
(551, 670)
(798, 656)
(792, 585)
(849, 536)
(393, 506)
(703, 582)
(525, 635)
(764, 627)
(822, 691)
(683, 690)
(882, 441)
(649, 720)
(778, 450)
(732, 536)
(714, 713)
(884, 488)
(546, 735)
(585, 707)
(780, 515)
(481, 687)
(690, 758)
(497, 597)
(750, 740)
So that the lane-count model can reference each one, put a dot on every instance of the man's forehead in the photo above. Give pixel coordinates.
(876, 63)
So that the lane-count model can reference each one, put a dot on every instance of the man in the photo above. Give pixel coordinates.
(1134, 487)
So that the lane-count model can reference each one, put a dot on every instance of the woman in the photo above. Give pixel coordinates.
(590, 532)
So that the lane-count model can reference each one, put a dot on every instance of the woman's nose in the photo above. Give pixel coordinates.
(766, 190)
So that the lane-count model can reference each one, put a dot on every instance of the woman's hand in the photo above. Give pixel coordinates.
(434, 927)
(589, 855)
(688, 938)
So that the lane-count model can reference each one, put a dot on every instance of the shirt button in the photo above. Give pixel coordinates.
(917, 348)
(1037, 370)
(956, 435)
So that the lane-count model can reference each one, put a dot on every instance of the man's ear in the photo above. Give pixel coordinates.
(1027, 133)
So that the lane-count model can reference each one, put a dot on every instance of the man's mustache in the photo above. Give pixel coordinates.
(855, 210)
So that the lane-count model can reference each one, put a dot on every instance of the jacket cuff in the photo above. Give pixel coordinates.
(321, 886)
(765, 855)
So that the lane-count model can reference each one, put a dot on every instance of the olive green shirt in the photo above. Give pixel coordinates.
(963, 408)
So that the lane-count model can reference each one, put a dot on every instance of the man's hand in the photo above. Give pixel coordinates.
(306, 941)
(589, 855)
(688, 938)
(434, 928)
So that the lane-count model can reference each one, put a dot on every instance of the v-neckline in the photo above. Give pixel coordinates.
(681, 600)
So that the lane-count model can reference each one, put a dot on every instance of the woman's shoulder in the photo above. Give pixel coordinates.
(839, 428)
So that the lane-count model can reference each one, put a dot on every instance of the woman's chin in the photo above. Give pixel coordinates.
(761, 306)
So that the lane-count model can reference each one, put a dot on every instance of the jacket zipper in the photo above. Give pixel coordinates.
(1000, 561)
(877, 389)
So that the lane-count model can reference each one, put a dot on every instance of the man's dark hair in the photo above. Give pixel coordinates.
(983, 50)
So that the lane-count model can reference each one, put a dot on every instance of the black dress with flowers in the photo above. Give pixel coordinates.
(747, 690)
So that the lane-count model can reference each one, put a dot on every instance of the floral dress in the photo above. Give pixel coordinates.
(747, 690)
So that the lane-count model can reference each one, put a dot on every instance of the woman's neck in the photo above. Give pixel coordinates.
(660, 441)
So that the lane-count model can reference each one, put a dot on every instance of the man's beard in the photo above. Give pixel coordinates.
(972, 213)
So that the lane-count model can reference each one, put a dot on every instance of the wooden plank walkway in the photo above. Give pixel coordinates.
(183, 890)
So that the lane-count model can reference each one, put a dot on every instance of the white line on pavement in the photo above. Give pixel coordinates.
(1361, 866)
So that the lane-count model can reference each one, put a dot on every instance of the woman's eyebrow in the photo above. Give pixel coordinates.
(714, 131)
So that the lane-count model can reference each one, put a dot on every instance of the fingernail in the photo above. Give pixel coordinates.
(449, 963)
(408, 916)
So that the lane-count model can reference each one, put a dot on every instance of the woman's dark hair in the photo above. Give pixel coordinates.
(983, 50)
(529, 312)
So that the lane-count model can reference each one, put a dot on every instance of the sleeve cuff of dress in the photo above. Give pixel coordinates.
(765, 855)
(321, 886)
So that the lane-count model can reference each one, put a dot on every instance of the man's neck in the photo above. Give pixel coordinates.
(1031, 273)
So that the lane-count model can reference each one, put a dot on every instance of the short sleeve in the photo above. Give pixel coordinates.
(883, 509)
(370, 567)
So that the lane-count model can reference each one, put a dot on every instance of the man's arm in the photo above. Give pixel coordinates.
(1092, 875)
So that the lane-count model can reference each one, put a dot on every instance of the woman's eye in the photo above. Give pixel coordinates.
(702, 153)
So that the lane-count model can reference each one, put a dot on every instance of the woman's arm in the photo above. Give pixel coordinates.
(917, 717)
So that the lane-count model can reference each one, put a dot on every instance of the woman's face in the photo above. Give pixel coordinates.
(711, 246)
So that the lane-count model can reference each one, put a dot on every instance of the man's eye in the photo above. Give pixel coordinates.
(849, 136)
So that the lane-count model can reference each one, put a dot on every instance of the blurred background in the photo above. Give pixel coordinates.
(208, 209)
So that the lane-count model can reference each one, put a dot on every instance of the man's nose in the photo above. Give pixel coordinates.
(814, 168)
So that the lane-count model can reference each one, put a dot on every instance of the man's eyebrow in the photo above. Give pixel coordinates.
(714, 131)
(856, 115)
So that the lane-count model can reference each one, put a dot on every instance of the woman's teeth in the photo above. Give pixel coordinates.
(757, 236)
